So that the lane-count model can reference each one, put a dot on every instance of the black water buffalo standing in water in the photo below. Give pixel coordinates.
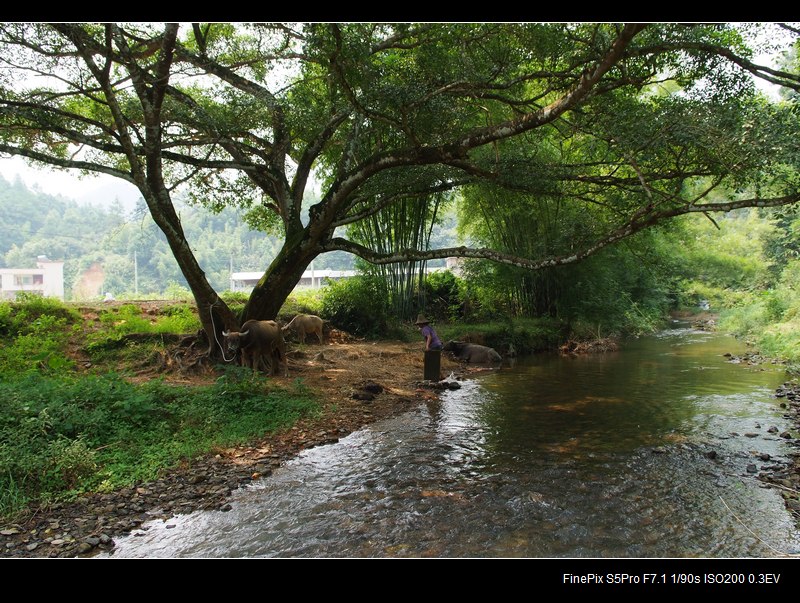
(472, 352)
(261, 343)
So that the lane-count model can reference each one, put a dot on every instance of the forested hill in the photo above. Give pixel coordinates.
(33, 223)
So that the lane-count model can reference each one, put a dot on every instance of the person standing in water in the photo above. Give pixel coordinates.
(432, 341)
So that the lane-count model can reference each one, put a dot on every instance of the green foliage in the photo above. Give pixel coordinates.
(444, 293)
(177, 292)
(308, 301)
(59, 436)
(34, 332)
(29, 307)
(770, 318)
(127, 319)
(358, 305)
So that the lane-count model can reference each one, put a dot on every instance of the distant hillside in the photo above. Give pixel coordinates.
(122, 246)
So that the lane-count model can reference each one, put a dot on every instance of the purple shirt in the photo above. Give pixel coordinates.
(427, 331)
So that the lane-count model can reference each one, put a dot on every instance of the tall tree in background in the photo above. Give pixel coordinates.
(252, 115)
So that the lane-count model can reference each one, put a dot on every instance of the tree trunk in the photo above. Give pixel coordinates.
(214, 313)
(278, 281)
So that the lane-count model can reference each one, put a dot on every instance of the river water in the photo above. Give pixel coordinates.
(638, 453)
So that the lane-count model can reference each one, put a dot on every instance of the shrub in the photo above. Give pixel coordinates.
(443, 294)
(128, 319)
(358, 305)
(37, 330)
(527, 335)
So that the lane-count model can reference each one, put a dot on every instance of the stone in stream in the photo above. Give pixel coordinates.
(751, 468)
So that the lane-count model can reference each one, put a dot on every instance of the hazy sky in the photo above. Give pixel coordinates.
(96, 190)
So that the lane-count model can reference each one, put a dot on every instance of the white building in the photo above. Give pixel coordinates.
(46, 279)
(245, 281)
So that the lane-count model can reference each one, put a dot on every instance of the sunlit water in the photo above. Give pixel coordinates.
(595, 456)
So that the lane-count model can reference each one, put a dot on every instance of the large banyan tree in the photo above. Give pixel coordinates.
(627, 124)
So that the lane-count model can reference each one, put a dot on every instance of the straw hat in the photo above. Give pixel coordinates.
(421, 320)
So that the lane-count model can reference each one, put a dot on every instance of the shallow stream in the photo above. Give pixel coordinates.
(645, 452)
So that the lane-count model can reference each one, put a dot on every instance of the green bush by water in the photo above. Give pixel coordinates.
(358, 305)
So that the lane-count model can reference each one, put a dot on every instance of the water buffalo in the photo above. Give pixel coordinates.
(304, 324)
(261, 343)
(472, 352)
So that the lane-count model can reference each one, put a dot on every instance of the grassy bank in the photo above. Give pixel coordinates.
(769, 319)
(64, 432)
(82, 407)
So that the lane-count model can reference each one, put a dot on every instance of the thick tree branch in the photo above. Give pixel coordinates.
(774, 76)
(311, 153)
(636, 224)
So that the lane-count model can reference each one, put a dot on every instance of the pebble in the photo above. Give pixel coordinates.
(751, 468)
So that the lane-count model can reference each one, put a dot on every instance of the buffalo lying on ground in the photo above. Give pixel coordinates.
(261, 343)
(305, 324)
(472, 352)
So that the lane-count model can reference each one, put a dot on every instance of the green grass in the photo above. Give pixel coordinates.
(61, 436)
(62, 433)
(129, 319)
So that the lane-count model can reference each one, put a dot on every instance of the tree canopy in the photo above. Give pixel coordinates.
(621, 126)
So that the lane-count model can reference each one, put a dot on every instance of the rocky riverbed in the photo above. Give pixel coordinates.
(787, 479)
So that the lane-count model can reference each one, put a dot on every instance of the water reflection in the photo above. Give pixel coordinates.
(600, 456)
